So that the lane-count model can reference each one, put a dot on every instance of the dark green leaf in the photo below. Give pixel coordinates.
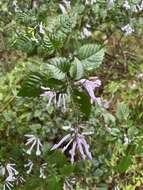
(91, 56)
(83, 102)
(53, 183)
(124, 163)
(76, 70)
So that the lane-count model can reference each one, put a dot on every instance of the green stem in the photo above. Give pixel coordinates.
(72, 100)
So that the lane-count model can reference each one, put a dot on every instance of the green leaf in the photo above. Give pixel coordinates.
(31, 86)
(76, 70)
(33, 184)
(55, 84)
(122, 111)
(109, 118)
(57, 67)
(53, 183)
(124, 163)
(82, 100)
(67, 170)
(91, 56)
(58, 158)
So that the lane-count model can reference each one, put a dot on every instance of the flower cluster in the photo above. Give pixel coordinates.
(126, 5)
(33, 141)
(133, 7)
(68, 183)
(90, 85)
(42, 171)
(59, 99)
(79, 144)
(11, 177)
(127, 29)
(29, 167)
(86, 32)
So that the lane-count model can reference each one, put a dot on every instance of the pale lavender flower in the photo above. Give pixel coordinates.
(8, 185)
(40, 27)
(127, 29)
(59, 99)
(126, 140)
(14, 6)
(11, 170)
(126, 5)
(12, 173)
(68, 183)
(134, 9)
(33, 141)
(29, 166)
(61, 142)
(141, 6)
(63, 9)
(42, 171)
(86, 33)
(67, 4)
(64, 6)
(105, 104)
(116, 188)
(78, 142)
(35, 40)
(137, 8)
(90, 86)
(139, 75)
(10, 178)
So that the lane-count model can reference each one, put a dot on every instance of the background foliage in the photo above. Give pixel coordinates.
(40, 45)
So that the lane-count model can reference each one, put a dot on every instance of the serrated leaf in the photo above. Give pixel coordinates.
(57, 67)
(31, 86)
(76, 70)
(55, 84)
(91, 56)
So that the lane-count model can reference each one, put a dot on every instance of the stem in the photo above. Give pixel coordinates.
(72, 100)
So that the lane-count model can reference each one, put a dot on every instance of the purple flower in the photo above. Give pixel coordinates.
(90, 86)
(12, 176)
(78, 142)
(127, 29)
(59, 99)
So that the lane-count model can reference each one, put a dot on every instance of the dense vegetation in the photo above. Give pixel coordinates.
(71, 94)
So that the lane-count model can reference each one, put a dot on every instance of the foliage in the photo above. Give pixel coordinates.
(71, 68)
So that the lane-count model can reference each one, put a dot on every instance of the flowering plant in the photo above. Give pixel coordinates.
(64, 103)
